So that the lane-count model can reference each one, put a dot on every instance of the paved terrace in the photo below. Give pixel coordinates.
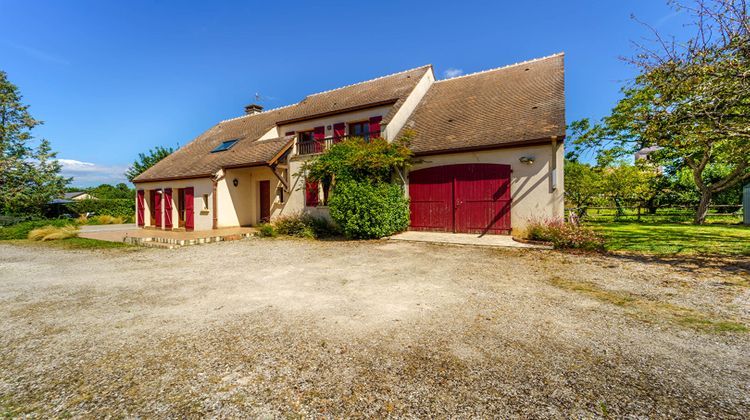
(161, 238)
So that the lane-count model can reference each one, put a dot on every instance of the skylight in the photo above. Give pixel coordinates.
(224, 146)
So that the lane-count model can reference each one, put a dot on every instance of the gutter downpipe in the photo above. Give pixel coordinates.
(215, 201)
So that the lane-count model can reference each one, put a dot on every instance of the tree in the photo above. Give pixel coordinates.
(627, 185)
(583, 186)
(107, 191)
(146, 161)
(365, 202)
(29, 176)
(691, 100)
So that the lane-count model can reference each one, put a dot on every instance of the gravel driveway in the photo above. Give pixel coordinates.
(266, 327)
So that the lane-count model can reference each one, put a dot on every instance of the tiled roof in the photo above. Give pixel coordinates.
(195, 158)
(519, 103)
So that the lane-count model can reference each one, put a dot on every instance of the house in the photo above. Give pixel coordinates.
(78, 195)
(488, 152)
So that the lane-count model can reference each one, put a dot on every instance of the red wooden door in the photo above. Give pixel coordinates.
(157, 208)
(469, 198)
(167, 208)
(265, 201)
(140, 198)
(482, 198)
(189, 206)
(431, 194)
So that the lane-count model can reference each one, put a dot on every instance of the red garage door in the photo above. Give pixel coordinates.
(471, 198)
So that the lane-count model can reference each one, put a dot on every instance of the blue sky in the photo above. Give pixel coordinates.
(112, 79)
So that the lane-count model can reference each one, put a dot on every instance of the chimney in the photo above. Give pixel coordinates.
(253, 109)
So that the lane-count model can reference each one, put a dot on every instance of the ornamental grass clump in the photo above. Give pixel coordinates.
(51, 233)
(564, 235)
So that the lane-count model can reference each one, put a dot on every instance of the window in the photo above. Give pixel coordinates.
(360, 129)
(224, 146)
(205, 201)
(280, 194)
(304, 136)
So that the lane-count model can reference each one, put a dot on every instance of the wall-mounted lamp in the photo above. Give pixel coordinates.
(235, 182)
(529, 160)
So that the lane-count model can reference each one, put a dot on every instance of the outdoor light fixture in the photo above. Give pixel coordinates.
(235, 182)
(529, 160)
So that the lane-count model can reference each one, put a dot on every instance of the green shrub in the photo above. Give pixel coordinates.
(293, 225)
(21, 230)
(305, 226)
(266, 230)
(51, 233)
(366, 210)
(105, 220)
(564, 235)
(118, 207)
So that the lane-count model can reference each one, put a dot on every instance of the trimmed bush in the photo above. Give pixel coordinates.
(21, 230)
(293, 225)
(117, 207)
(51, 233)
(365, 210)
(564, 235)
(305, 226)
(266, 230)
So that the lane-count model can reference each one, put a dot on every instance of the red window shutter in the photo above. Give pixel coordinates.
(189, 206)
(311, 193)
(140, 198)
(167, 208)
(375, 127)
(319, 134)
(157, 208)
(338, 132)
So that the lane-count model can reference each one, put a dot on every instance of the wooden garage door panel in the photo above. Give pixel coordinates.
(471, 198)
(431, 195)
(482, 194)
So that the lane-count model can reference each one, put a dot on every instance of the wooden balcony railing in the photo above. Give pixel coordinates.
(311, 147)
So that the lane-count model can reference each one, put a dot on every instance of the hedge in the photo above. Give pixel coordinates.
(112, 207)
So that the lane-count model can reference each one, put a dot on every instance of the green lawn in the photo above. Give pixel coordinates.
(72, 243)
(676, 238)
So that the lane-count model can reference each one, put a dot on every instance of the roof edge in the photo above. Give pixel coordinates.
(519, 143)
(520, 63)
(371, 80)
(171, 178)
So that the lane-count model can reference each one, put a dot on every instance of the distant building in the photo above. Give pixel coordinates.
(78, 195)
(645, 153)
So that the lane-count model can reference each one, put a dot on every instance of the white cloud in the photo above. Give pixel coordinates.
(451, 72)
(87, 174)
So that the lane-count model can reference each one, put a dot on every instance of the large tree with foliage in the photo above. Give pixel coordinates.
(147, 160)
(691, 100)
(29, 176)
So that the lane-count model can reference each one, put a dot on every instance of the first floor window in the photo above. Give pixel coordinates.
(360, 129)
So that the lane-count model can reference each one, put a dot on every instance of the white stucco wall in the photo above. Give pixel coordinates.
(240, 205)
(532, 192)
(203, 217)
(407, 108)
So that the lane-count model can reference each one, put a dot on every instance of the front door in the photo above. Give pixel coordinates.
(265, 201)
(181, 208)
(157, 208)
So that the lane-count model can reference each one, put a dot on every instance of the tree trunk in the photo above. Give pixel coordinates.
(700, 214)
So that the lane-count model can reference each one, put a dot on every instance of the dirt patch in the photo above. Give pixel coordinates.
(351, 329)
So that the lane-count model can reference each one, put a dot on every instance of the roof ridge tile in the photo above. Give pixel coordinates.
(367, 81)
(533, 60)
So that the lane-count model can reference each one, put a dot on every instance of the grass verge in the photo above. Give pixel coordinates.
(676, 238)
(648, 310)
(73, 243)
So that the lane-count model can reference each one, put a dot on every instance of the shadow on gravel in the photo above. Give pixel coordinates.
(691, 263)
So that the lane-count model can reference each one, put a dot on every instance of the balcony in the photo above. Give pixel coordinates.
(311, 147)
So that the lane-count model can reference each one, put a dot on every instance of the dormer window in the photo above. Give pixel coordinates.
(226, 145)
